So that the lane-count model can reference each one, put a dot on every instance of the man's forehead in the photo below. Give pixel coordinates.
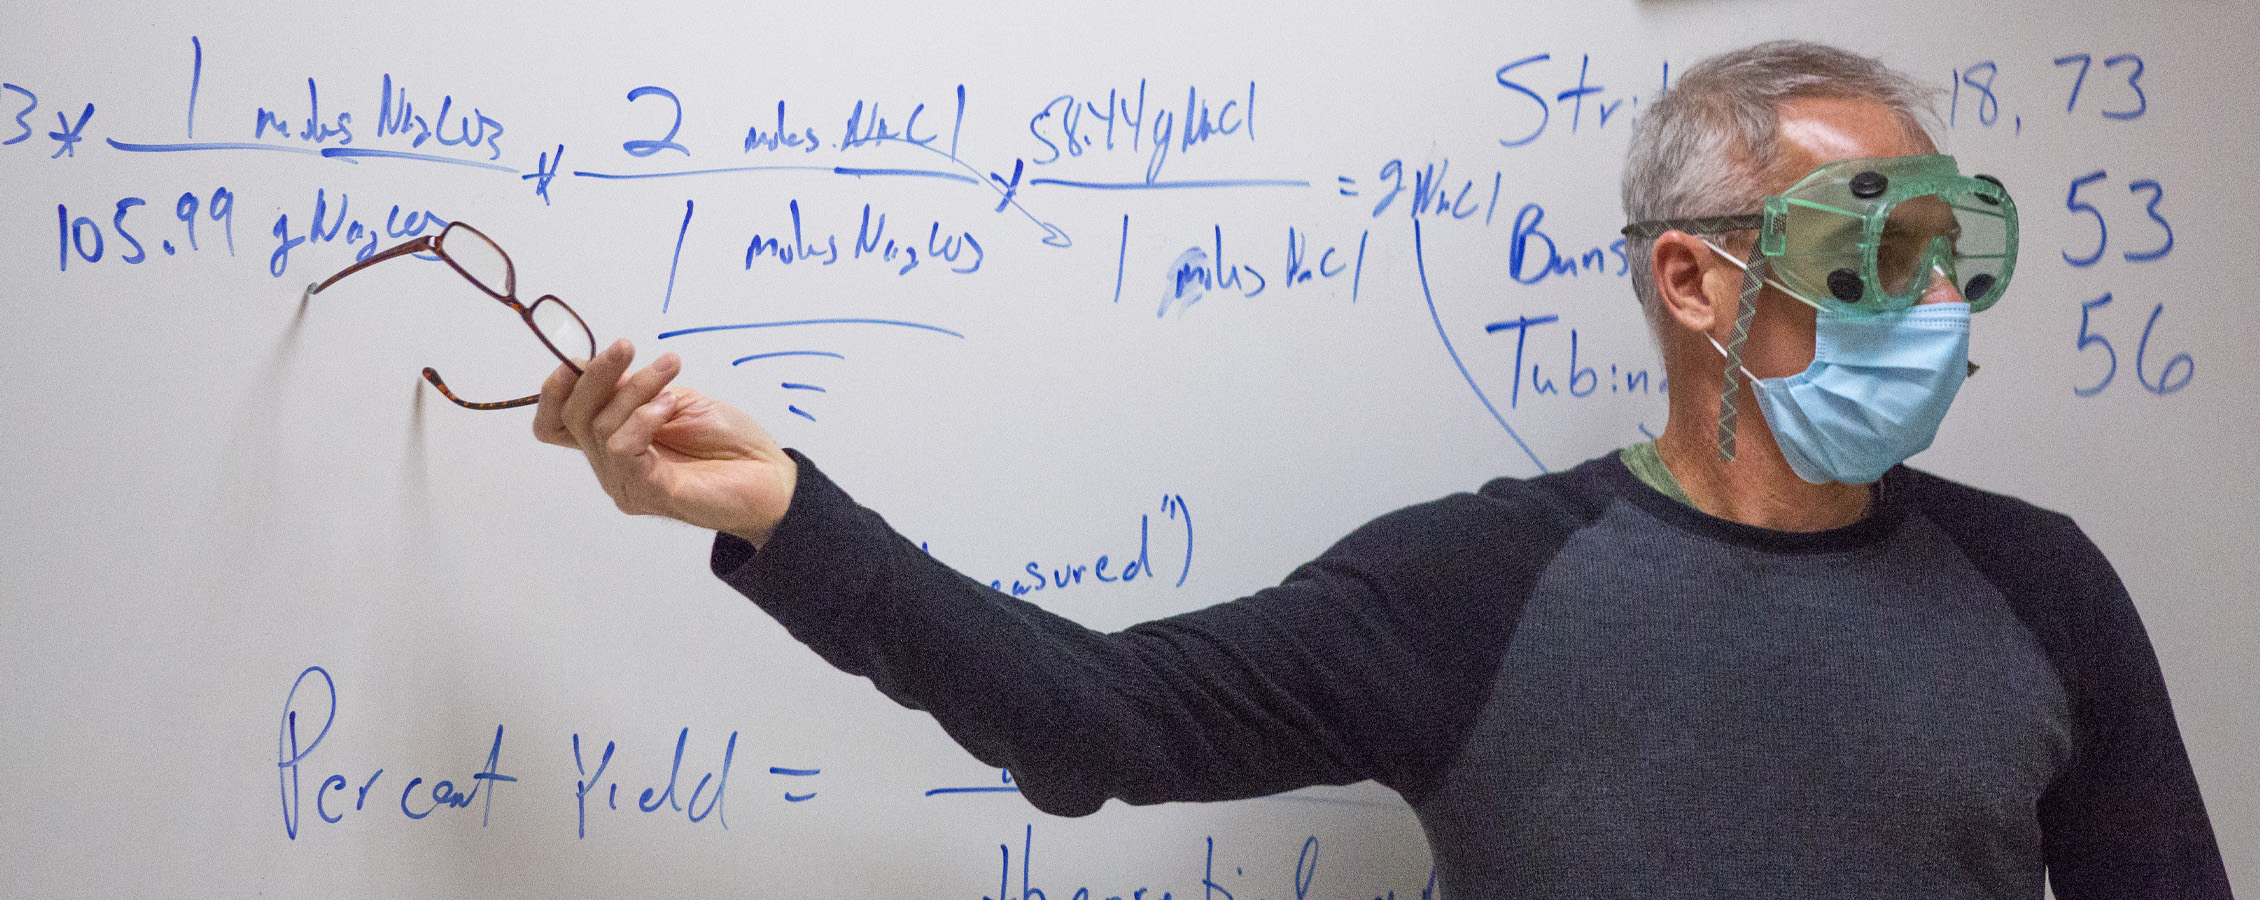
(1817, 130)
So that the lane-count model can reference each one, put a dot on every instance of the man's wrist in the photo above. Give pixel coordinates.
(766, 513)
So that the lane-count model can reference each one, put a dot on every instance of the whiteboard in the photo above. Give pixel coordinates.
(1195, 283)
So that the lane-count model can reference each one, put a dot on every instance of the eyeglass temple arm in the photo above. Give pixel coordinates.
(419, 245)
(432, 375)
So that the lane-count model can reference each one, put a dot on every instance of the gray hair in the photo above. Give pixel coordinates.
(1704, 148)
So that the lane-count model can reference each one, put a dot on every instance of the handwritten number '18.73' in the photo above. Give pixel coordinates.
(2173, 377)
(1980, 81)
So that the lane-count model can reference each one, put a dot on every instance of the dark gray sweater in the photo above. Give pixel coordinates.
(1586, 689)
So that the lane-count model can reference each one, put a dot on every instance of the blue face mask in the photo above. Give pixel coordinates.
(1877, 389)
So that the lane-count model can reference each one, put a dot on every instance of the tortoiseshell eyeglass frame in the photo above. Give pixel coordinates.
(508, 296)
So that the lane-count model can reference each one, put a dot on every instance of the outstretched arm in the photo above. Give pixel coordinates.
(1369, 662)
(1361, 665)
(665, 450)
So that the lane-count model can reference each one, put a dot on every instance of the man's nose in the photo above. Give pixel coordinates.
(1941, 290)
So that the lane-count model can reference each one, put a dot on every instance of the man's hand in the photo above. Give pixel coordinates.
(667, 451)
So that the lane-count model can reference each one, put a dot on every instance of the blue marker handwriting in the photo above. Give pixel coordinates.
(692, 783)
(25, 103)
(294, 124)
(871, 128)
(327, 224)
(591, 769)
(1299, 881)
(783, 137)
(68, 135)
(2161, 232)
(1432, 192)
(397, 116)
(83, 236)
(1580, 376)
(2173, 376)
(1004, 785)
(309, 711)
(1070, 128)
(1108, 568)
(468, 127)
(1997, 92)
(956, 251)
(1435, 194)
(1529, 112)
(1206, 268)
(315, 129)
(1526, 267)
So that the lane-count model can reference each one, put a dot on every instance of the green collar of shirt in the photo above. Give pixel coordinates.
(1648, 466)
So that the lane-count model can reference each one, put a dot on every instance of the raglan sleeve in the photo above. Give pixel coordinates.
(1343, 672)
(2125, 820)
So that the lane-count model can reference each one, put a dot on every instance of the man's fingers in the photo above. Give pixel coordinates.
(594, 389)
(634, 436)
(632, 393)
(549, 417)
(633, 471)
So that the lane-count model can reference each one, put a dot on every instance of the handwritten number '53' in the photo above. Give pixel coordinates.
(2073, 203)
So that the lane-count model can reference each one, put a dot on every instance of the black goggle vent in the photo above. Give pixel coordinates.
(1996, 182)
(1845, 284)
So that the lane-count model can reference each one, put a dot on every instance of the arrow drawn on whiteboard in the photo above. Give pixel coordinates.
(1420, 262)
(1008, 191)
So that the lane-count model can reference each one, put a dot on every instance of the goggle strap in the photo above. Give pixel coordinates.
(1694, 225)
(1753, 280)
(1762, 273)
(1721, 348)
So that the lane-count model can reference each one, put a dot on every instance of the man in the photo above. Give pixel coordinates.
(1809, 681)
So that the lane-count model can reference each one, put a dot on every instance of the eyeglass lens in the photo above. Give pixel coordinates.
(561, 328)
(478, 259)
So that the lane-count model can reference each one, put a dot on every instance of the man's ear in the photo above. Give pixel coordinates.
(1677, 262)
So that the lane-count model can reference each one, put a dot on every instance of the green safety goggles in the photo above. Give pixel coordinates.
(1867, 236)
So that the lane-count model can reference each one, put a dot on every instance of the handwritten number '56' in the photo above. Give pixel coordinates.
(2173, 377)
(2073, 203)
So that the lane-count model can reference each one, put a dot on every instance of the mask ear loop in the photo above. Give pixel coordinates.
(1753, 281)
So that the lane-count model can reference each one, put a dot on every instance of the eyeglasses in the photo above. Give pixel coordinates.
(475, 257)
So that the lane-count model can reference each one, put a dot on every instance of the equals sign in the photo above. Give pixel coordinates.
(791, 797)
(1346, 181)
